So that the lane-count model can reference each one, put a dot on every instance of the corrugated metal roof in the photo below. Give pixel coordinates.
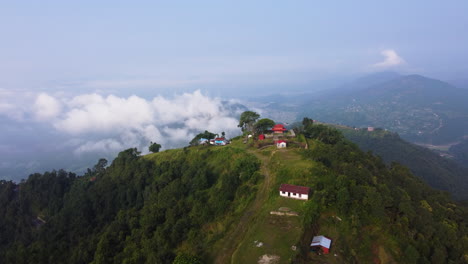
(321, 241)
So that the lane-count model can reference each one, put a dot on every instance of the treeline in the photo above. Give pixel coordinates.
(148, 209)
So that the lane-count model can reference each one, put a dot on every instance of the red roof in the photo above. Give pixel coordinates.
(280, 141)
(294, 189)
(279, 127)
(219, 139)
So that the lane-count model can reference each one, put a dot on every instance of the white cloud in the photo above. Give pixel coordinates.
(391, 59)
(100, 146)
(46, 107)
(114, 123)
(14, 104)
(94, 113)
(105, 125)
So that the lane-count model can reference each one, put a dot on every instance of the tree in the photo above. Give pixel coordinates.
(307, 122)
(247, 120)
(100, 166)
(207, 134)
(263, 124)
(154, 147)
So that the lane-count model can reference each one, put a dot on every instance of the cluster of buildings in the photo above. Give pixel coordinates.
(277, 131)
(219, 141)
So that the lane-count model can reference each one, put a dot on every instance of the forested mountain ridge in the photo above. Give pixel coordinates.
(439, 172)
(194, 204)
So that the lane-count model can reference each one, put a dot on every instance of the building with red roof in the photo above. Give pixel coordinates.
(279, 129)
(280, 144)
(294, 191)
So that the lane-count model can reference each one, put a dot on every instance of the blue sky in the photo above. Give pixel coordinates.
(112, 45)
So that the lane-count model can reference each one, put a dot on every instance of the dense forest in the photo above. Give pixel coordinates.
(176, 205)
(439, 172)
(138, 210)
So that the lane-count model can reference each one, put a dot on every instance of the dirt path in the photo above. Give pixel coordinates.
(233, 239)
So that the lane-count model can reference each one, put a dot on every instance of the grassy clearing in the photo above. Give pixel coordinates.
(271, 234)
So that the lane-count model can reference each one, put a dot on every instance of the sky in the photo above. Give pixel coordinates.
(112, 45)
(97, 76)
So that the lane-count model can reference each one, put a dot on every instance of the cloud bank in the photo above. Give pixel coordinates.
(391, 59)
(46, 107)
(108, 124)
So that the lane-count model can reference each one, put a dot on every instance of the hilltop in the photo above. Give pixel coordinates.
(213, 204)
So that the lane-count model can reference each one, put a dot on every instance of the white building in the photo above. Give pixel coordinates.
(281, 144)
(294, 191)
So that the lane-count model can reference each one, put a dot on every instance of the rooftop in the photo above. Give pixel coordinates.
(294, 189)
(321, 241)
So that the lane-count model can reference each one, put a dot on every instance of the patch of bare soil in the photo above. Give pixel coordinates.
(268, 259)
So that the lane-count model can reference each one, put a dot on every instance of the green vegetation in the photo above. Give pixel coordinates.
(154, 147)
(262, 125)
(213, 204)
(207, 135)
(139, 209)
(440, 173)
(247, 121)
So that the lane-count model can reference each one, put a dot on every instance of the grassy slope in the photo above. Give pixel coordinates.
(277, 233)
(232, 237)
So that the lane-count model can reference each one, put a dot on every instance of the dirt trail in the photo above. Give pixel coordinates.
(232, 240)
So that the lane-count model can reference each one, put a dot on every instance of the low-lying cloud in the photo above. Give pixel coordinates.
(107, 124)
(46, 107)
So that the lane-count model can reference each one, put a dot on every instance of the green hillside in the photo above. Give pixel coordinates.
(440, 173)
(220, 204)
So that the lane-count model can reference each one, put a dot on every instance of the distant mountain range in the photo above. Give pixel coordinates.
(420, 109)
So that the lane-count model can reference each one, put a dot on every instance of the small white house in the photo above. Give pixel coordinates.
(280, 144)
(294, 191)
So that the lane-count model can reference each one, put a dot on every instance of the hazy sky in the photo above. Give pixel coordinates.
(80, 80)
(112, 45)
